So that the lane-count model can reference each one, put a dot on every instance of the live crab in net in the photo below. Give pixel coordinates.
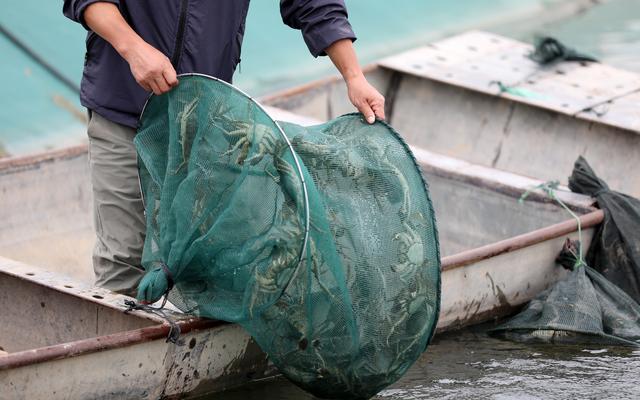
(320, 240)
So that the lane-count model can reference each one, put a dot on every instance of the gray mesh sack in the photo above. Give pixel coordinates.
(584, 307)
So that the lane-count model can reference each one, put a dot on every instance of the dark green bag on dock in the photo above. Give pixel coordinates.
(320, 241)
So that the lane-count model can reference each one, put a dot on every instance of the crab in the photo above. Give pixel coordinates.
(221, 117)
(286, 239)
(280, 262)
(411, 252)
(289, 178)
(410, 301)
(316, 262)
(246, 136)
(332, 158)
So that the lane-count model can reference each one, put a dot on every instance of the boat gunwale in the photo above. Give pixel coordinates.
(160, 331)
(100, 343)
(528, 239)
(315, 84)
(14, 164)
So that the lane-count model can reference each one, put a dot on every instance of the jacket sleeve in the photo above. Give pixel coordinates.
(322, 22)
(74, 9)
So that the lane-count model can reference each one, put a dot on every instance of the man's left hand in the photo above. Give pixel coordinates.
(366, 98)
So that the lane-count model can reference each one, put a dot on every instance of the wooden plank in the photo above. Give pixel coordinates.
(571, 88)
(472, 60)
(63, 284)
(623, 111)
(477, 60)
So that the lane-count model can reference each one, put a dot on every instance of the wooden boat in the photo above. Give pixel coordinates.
(445, 97)
(67, 339)
(71, 338)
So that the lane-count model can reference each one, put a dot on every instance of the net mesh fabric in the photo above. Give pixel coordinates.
(227, 209)
(215, 214)
(584, 307)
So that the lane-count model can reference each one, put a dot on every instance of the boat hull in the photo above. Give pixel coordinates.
(68, 339)
(81, 345)
(444, 97)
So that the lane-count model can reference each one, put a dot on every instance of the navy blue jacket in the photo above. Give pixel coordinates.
(202, 36)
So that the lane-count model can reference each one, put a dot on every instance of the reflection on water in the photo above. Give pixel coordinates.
(471, 365)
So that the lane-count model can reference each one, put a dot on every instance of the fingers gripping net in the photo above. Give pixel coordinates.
(232, 209)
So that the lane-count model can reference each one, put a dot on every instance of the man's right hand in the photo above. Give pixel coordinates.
(151, 68)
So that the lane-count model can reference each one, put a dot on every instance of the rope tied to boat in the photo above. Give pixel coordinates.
(159, 279)
(549, 188)
(174, 328)
(549, 50)
(516, 91)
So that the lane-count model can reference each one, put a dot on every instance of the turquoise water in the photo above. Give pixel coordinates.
(31, 116)
(469, 365)
(274, 56)
(610, 32)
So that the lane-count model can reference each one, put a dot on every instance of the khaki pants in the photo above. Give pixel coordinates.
(117, 204)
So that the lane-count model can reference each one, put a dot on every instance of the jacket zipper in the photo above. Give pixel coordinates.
(182, 21)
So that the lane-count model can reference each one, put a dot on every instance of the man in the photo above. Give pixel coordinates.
(139, 46)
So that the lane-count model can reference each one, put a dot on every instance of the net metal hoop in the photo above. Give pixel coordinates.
(305, 195)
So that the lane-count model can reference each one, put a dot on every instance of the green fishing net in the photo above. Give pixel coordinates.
(320, 241)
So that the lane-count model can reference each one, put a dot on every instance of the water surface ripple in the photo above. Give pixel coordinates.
(471, 365)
